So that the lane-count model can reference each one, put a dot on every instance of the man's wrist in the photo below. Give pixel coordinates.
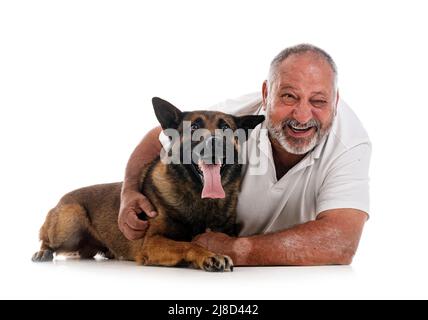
(241, 250)
(129, 187)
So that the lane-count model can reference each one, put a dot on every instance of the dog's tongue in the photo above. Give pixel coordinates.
(212, 181)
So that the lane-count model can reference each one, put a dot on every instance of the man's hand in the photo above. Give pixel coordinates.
(132, 203)
(330, 239)
(217, 242)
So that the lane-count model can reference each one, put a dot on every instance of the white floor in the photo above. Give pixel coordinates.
(74, 279)
(390, 263)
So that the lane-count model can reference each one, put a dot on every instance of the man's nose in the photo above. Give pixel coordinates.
(303, 112)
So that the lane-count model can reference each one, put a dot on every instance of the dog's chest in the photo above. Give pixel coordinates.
(200, 215)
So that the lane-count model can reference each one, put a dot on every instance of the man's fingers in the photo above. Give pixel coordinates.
(135, 223)
(147, 207)
(201, 240)
(197, 238)
(132, 234)
(131, 226)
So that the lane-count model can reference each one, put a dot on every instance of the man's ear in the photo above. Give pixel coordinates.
(248, 122)
(264, 94)
(337, 102)
(168, 115)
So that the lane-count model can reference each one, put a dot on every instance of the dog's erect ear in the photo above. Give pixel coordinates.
(248, 122)
(168, 115)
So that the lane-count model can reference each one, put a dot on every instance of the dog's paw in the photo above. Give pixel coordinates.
(142, 260)
(217, 264)
(43, 256)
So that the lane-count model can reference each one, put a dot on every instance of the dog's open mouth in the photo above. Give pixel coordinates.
(210, 175)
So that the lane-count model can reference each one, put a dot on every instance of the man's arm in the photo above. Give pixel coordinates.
(330, 239)
(132, 201)
(147, 150)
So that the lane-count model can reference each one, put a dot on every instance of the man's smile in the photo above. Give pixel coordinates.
(298, 132)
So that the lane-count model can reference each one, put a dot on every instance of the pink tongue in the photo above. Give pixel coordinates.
(212, 181)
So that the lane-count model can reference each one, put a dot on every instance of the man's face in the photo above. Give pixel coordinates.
(301, 102)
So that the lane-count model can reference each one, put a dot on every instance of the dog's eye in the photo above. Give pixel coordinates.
(197, 124)
(224, 126)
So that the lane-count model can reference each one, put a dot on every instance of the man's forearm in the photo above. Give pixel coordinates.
(147, 150)
(320, 242)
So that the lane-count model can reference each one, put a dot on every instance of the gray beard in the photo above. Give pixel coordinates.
(295, 145)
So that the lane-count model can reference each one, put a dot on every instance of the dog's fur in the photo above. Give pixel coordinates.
(85, 220)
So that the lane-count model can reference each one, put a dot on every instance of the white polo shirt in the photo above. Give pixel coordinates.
(333, 175)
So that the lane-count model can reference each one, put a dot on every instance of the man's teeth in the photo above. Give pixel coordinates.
(300, 129)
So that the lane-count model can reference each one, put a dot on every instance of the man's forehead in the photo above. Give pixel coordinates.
(308, 63)
(315, 89)
(314, 74)
(290, 80)
(295, 69)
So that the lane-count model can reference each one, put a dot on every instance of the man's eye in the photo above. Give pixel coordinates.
(319, 103)
(288, 97)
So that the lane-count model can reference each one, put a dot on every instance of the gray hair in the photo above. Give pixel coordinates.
(299, 49)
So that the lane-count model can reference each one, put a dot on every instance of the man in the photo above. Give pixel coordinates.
(311, 205)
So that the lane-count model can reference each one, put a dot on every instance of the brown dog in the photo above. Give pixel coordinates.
(189, 198)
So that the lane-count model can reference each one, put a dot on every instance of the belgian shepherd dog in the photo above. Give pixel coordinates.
(189, 198)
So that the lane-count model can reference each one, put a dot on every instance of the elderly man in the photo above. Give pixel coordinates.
(310, 207)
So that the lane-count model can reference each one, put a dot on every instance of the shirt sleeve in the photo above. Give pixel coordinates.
(347, 183)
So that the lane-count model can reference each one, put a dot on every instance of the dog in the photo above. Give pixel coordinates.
(189, 198)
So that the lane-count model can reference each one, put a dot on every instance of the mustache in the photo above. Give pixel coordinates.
(296, 124)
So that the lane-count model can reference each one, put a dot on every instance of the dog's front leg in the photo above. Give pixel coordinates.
(159, 250)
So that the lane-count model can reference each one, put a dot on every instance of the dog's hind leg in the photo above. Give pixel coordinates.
(89, 247)
(66, 229)
(44, 254)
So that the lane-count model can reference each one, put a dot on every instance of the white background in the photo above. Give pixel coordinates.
(76, 79)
